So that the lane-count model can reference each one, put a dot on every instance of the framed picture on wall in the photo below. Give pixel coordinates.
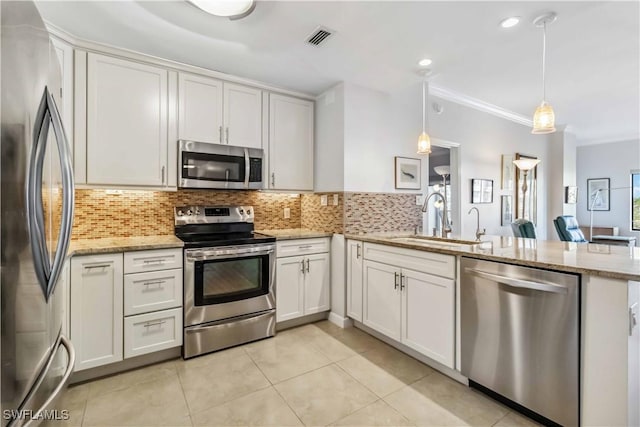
(481, 191)
(507, 172)
(506, 210)
(407, 171)
(571, 195)
(598, 191)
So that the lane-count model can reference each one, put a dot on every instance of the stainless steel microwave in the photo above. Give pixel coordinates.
(204, 165)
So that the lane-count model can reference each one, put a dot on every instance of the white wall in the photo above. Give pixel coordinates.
(562, 172)
(329, 140)
(613, 160)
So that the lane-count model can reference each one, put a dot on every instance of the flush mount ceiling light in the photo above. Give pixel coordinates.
(544, 118)
(425, 62)
(509, 22)
(424, 142)
(232, 9)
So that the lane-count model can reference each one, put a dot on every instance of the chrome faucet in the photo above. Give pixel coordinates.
(478, 232)
(445, 230)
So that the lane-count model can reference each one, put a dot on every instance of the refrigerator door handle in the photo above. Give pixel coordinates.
(48, 274)
(47, 405)
(68, 190)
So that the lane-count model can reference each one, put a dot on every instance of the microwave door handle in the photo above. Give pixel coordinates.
(247, 170)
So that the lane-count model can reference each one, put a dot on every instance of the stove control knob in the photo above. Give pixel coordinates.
(249, 212)
(197, 211)
(180, 213)
(241, 211)
(189, 212)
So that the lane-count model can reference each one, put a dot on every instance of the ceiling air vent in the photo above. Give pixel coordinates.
(319, 35)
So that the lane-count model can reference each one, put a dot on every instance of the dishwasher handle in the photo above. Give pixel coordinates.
(520, 283)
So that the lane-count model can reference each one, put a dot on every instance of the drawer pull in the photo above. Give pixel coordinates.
(150, 324)
(89, 267)
(154, 282)
(153, 261)
(305, 247)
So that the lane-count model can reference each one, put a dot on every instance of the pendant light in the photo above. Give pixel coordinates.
(424, 142)
(544, 117)
(232, 9)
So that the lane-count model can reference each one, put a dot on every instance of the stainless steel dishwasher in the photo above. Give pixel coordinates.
(520, 336)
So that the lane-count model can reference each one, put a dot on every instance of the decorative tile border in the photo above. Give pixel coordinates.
(380, 212)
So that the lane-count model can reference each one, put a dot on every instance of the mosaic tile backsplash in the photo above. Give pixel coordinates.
(99, 214)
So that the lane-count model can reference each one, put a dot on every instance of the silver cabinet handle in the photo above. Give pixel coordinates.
(89, 267)
(153, 261)
(163, 174)
(153, 282)
(520, 283)
(305, 247)
(302, 262)
(307, 265)
(150, 324)
(273, 179)
(358, 251)
(403, 279)
(227, 135)
(220, 131)
(395, 280)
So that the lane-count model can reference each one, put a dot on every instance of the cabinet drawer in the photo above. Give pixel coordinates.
(160, 259)
(297, 247)
(146, 333)
(426, 262)
(152, 291)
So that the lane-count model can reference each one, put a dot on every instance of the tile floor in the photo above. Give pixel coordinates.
(314, 375)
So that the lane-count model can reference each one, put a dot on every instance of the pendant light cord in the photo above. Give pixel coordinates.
(544, 56)
(423, 107)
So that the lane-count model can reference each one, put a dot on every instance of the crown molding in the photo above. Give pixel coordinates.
(476, 104)
(103, 48)
(609, 140)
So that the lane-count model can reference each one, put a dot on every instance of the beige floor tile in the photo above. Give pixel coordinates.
(376, 414)
(439, 401)
(131, 378)
(155, 403)
(325, 343)
(324, 395)
(219, 378)
(261, 408)
(514, 419)
(285, 357)
(399, 365)
(76, 394)
(374, 377)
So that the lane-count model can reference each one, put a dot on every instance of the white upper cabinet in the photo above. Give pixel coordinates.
(64, 53)
(219, 112)
(200, 109)
(290, 143)
(127, 122)
(242, 116)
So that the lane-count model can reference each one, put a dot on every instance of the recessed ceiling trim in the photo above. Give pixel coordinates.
(479, 105)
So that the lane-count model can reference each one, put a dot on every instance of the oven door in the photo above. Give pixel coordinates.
(227, 281)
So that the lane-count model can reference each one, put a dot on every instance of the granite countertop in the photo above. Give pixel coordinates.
(294, 233)
(617, 262)
(122, 244)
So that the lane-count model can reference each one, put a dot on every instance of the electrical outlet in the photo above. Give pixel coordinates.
(419, 200)
(323, 200)
(287, 213)
(335, 200)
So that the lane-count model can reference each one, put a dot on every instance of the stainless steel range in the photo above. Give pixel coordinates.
(228, 278)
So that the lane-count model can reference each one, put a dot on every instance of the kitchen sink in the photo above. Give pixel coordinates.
(434, 241)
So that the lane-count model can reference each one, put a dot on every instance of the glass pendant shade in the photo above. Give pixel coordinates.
(526, 164)
(424, 144)
(544, 119)
(225, 8)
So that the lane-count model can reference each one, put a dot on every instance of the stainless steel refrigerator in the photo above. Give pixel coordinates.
(36, 206)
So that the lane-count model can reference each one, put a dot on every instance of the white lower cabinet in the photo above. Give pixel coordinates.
(412, 307)
(302, 281)
(120, 310)
(146, 333)
(96, 309)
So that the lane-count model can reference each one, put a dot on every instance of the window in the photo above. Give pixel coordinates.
(635, 200)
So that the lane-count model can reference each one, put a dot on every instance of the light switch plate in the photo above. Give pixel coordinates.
(335, 200)
(287, 213)
(323, 200)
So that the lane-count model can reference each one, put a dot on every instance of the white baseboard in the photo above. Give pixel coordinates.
(343, 322)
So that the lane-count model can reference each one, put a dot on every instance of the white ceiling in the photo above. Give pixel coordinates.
(593, 49)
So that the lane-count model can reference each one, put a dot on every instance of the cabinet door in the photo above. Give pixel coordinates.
(289, 288)
(200, 109)
(126, 122)
(317, 286)
(242, 116)
(64, 53)
(428, 304)
(382, 298)
(354, 280)
(96, 309)
(290, 143)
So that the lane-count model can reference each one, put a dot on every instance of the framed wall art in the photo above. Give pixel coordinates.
(508, 174)
(481, 191)
(598, 191)
(571, 195)
(407, 171)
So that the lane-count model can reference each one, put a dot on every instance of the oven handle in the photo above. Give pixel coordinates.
(192, 255)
